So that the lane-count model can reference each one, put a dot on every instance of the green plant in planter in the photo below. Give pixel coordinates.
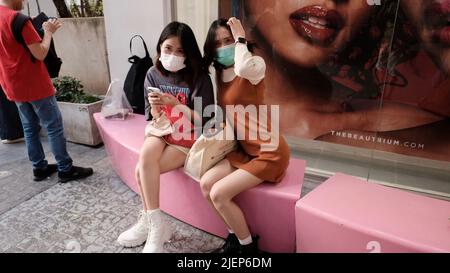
(69, 89)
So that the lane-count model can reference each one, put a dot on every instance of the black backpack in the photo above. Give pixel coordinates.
(52, 61)
(134, 82)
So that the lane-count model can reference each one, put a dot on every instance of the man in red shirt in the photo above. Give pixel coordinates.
(27, 82)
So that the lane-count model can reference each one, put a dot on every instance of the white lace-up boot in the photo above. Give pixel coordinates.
(137, 234)
(159, 233)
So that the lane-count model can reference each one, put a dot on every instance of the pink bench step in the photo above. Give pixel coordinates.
(346, 214)
(270, 209)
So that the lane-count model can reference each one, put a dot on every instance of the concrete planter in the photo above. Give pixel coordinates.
(79, 124)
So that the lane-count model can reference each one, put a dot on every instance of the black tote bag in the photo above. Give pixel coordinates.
(134, 82)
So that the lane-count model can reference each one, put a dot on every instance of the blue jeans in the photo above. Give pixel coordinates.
(45, 112)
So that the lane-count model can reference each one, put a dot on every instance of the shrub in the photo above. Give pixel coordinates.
(69, 89)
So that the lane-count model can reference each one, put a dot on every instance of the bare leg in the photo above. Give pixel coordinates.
(211, 177)
(138, 179)
(149, 171)
(164, 159)
(171, 159)
(222, 194)
(159, 159)
(147, 175)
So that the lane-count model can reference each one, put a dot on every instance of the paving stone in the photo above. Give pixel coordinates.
(79, 217)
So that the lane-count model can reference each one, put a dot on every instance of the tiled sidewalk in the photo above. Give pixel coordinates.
(84, 216)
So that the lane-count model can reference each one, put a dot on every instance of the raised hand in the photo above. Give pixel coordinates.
(236, 28)
(51, 26)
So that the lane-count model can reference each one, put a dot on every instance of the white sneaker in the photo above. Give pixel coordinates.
(160, 233)
(137, 234)
(13, 141)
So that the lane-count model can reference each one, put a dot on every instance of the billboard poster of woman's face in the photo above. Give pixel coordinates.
(363, 73)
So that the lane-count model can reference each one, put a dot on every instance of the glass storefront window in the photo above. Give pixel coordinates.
(362, 86)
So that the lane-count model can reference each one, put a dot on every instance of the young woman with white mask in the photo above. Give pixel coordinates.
(181, 77)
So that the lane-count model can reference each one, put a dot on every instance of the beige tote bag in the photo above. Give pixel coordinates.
(207, 151)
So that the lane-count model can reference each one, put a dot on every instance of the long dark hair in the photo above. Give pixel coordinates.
(210, 44)
(194, 66)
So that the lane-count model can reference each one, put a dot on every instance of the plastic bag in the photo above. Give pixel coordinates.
(116, 105)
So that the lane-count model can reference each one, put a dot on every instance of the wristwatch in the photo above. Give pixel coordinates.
(241, 40)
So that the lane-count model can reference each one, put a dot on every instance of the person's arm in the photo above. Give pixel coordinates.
(188, 112)
(247, 66)
(169, 100)
(150, 110)
(252, 68)
(39, 49)
(203, 90)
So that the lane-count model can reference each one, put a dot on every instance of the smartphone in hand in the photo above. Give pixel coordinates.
(154, 90)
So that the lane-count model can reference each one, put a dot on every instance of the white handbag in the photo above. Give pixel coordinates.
(207, 151)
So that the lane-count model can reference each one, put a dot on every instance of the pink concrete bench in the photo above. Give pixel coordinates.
(346, 214)
(270, 209)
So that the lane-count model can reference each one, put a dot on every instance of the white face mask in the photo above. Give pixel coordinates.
(172, 63)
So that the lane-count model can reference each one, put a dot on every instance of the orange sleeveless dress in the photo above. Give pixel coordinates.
(268, 165)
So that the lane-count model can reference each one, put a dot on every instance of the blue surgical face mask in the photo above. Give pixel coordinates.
(225, 55)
